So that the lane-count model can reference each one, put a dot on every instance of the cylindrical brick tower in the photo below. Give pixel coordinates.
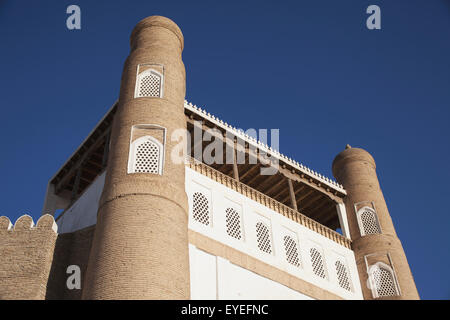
(378, 251)
(140, 246)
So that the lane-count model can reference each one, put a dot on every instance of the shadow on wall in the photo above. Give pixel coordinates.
(34, 259)
(70, 249)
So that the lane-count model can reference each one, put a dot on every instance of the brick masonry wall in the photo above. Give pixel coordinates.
(140, 245)
(26, 255)
(355, 169)
(34, 259)
(70, 249)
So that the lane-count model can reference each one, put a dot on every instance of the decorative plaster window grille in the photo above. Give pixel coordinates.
(146, 156)
(290, 246)
(317, 263)
(233, 221)
(149, 84)
(200, 210)
(263, 238)
(342, 275)
(383, 280)
(368, 221)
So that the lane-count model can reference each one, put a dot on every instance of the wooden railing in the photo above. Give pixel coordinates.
(267, 201)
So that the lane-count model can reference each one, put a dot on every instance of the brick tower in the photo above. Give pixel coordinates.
(378, 251)
(140, 246)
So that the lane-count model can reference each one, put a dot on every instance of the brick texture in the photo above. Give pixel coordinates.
(355, 169)
(70, 249)
(140, 245)
(34, 259)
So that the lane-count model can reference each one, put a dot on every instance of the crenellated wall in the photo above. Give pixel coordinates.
(34, 258)
(26, 255)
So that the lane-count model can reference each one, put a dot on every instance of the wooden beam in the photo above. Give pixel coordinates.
(324, 206)
(76, 185)
(331, 221)
(106, 149)
(292, 195)
(302, 178)
(97, 154)
(87, 180)
(327, 214)
(90, 170)
(306, 194)
(288, 170)
(235, 166)
(253, 179)
(76, 166)
(286, 198)
(289, 196)
(195, 143)
(88, 174)
(269, 182)
(283, 190)
(311, 201)
(219, 167)
(334, 224)
(299, 189)
(252, 153)
(94, 164)
(255, 167)
(276, 185)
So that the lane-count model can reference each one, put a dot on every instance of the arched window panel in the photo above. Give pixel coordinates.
(343, 275)
(149, 81)
(146, 156)
(201, 209)
(383, 281)
(318, 262)
(263, 237)
(292, 252)
(233, 221)
(368, 221)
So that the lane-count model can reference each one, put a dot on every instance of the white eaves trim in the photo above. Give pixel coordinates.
(264, 147)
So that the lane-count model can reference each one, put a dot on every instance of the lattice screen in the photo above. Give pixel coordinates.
(200, 210)
(147, 156)
(263, 237)
(384, 281)
(369, 222)
(290, 246)
(342, 275)
(317, 263)
(149, 84)
(233, 221)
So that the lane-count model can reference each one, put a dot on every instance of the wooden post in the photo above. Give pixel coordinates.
(76, 184)
(291, 192)
(235, 167)
(106, 149)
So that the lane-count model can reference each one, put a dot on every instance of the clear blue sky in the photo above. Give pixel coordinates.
(310, 68)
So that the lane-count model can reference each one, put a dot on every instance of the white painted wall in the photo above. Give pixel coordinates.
(220, 198)
(83, 213)
(214, 278)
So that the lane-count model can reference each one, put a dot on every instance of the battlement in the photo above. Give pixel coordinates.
(34, 258)
(25, 222)
(26, 256)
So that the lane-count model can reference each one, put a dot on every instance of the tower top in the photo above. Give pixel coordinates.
(157, 21)
(348, 155)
